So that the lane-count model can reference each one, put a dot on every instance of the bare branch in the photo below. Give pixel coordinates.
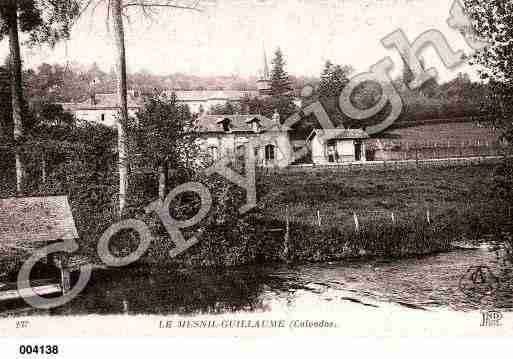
(107, 18)
(169, 5)
(88, 4)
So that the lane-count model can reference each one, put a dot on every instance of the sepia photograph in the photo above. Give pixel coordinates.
(255, 168)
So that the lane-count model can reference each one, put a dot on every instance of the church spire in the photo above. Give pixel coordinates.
(265, 69)
(264, 82)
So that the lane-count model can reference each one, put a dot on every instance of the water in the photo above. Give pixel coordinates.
(430, 283)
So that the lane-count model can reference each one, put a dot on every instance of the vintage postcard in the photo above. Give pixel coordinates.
(255, 169)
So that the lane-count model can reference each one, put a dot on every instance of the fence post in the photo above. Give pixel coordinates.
(65, 275)
(356, 223)
(125, 306)
(286, 237)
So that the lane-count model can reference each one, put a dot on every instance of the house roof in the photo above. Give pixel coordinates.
(103, 101)
(238, 123)
(109, 100)
(339, 134)
(206, 95)
(36, 219)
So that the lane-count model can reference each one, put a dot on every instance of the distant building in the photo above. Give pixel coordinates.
(102, 108)
(202, 101)
(337, 146)
(230, 135)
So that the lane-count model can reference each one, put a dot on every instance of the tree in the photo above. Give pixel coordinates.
(226, 109)
(492, 20)
(117, 10)
(333, 79)
(45, 21)
(281, 89)
(162, 138)
(5, 100)
(429, 88)
(280, 82)
(267, 105)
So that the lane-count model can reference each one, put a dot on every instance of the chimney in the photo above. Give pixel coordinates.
(276, 117)
(226, 123)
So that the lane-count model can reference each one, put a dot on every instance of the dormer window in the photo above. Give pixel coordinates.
(226, 123)
(255, 124)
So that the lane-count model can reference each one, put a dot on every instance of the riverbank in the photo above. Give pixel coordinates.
(324, 216)
(427, 284)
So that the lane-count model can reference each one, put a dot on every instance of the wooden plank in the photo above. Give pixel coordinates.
(28, 292)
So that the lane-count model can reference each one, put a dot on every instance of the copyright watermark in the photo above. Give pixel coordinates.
(378, 73)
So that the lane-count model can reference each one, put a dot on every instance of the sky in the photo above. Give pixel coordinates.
(229, 36)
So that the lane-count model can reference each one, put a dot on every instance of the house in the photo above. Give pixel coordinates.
(102, 108)
(221, 135)
(336, 146)
(202, 101)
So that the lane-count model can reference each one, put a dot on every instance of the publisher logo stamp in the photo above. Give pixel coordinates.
(479, 282)
(491, 318)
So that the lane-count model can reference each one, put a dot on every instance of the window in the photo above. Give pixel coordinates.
(240, 151)
(214, 153)
(358, 150)
(331, 151)
(269, 152)
(255, 125)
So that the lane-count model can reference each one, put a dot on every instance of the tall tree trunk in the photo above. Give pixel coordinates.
(163, 174)
(43, 168)
(119, 40)
(16, 94)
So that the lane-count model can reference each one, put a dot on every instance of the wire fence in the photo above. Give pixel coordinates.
(394, 150)
(404, 155)
(356, 220)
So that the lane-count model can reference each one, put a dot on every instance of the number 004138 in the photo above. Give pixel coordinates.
(39, 349)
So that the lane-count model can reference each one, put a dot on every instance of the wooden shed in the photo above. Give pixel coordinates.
(29, 223)
(337, 146)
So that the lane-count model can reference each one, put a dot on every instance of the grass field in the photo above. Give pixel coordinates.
(437, 140)
(337, 195)
(454, 133)
(390, 205)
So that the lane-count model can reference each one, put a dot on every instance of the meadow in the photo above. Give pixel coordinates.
(436, 139)
(322, 215)
(383, 212)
